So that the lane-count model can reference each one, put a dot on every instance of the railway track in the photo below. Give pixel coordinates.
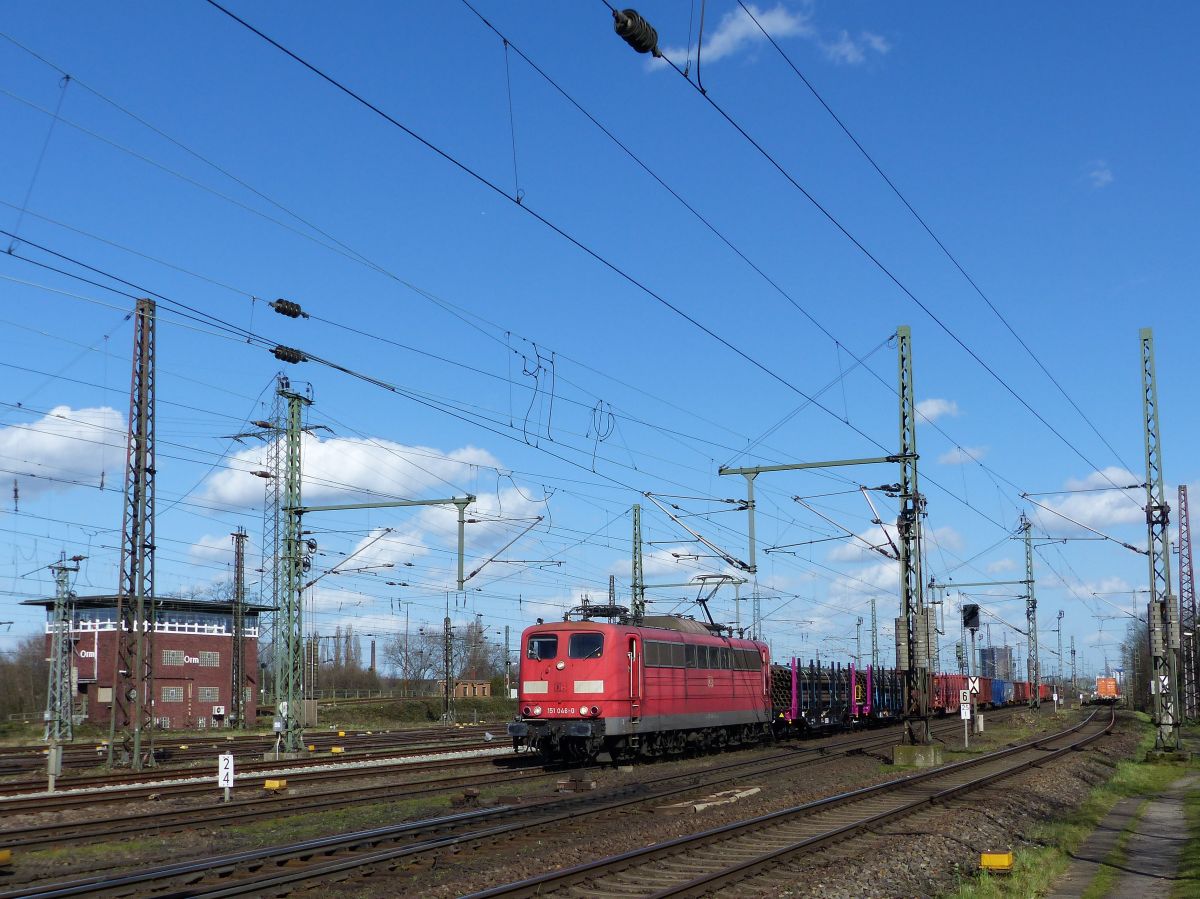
(275, 870)
(251, 768)
(13, 806)
(166, 820)
(725, 857)
(247, 749)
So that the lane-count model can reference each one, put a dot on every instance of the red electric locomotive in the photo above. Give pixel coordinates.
(667, 686)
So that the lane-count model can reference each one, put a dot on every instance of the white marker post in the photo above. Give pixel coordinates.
(964, 711)
(225, 772)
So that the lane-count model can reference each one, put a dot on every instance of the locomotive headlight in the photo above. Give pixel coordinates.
(595, 711)
(583, 710)
(537, 710)
(526, 710)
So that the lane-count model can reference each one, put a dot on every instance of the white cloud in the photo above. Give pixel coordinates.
(736, 31)
(856, 550)
(341, 467)
(947, 538)
(932, 409)
(1098, 510)
(961, 455)
(1000, 566)
(216, 548)
(69, 444)
(1099, 174)
(880, 577)
(847, 50)
(876, 42)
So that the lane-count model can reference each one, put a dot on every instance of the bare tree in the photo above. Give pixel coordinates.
(1135, 653)
(415, 658)
(23, 674)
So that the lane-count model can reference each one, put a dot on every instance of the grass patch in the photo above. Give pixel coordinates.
(1036, 868)
(1188, 884)
(1106, 876)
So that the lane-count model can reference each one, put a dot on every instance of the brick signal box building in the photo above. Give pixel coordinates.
(193, 660)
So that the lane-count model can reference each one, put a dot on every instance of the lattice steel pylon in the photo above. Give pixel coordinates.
(908, 524)
(874, 636)
(1073, 686)
(1059, 680)
(637, 605)
(1187, 608)
(131, 727)
(289, 621)
(269, 586)
(1033, 666)
(60, 692)
(237, 693)
(1163, 614)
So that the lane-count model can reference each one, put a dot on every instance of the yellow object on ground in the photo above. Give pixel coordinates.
(996, 862)
(336, 749)
(274, 785)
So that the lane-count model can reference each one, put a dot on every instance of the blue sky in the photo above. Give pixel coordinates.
(1050, 148)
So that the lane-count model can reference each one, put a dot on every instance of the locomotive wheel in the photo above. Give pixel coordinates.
(578, 752)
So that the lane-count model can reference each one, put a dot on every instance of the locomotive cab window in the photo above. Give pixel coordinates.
(586, 646)
(542, 647)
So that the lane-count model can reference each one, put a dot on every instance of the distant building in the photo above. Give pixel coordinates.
(192, 667)
(465, 689)
(997, 662)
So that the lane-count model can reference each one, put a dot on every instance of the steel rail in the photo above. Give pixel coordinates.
(590, 873)
(15, 790)
(431, 835)
(95, 830)
(11, 807)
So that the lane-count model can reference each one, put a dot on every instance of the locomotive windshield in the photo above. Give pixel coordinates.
(586, 646)
(542, 647)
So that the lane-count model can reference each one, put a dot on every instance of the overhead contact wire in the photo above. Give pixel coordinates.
(928, 230)
(878, 263)
(611, 266)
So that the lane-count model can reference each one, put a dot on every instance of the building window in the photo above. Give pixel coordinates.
(172, 657)
(172, 694)
(210, 659)
(210, 694)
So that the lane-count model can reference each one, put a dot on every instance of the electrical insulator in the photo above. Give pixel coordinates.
(288, 308)
(288, 354)
(636, 31)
